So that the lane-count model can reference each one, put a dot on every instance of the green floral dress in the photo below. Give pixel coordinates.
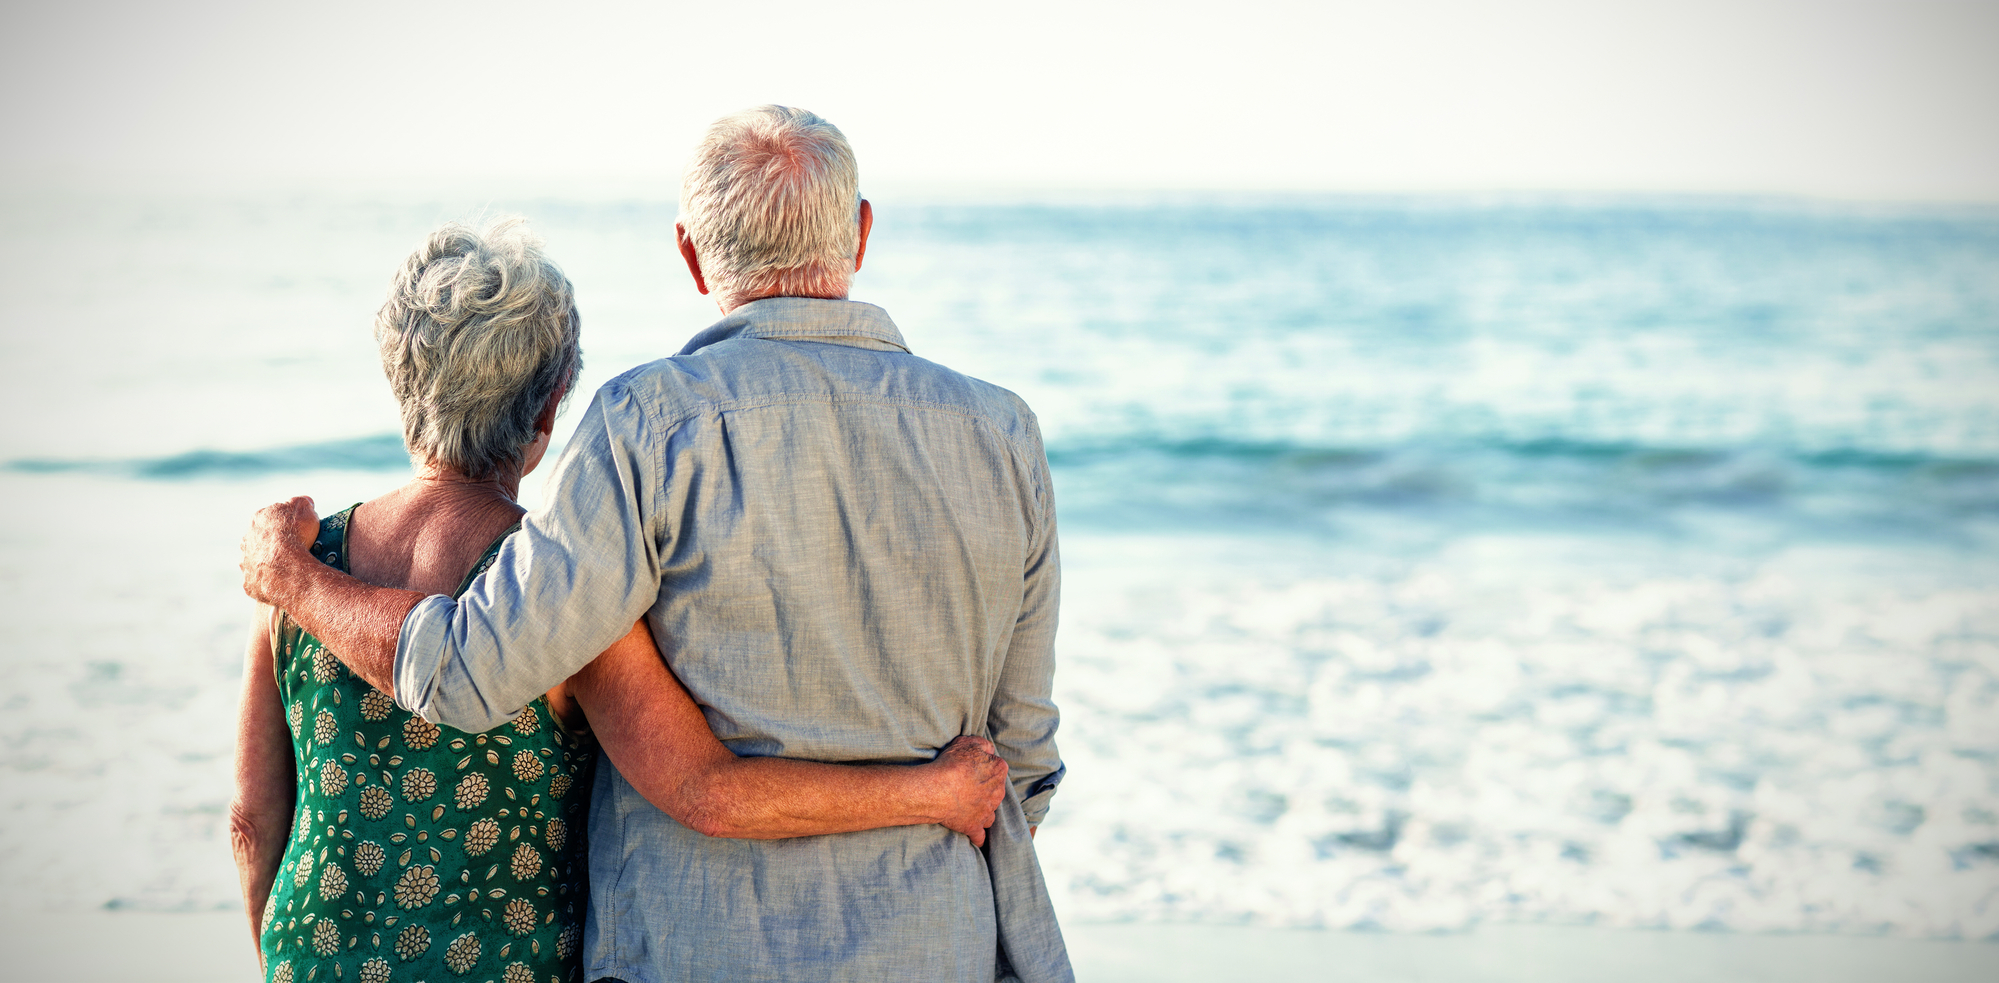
(418, 852)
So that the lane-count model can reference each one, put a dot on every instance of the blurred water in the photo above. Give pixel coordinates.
(1429, 561)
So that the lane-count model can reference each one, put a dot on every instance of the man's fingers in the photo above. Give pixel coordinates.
(305, 520)
(996, 773)
(296, 516)
(273, 530)
(989, 774)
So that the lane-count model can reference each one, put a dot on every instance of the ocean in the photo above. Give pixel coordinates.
(1429, 562)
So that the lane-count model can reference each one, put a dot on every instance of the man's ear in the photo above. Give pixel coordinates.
(694, 262)
(867, 225)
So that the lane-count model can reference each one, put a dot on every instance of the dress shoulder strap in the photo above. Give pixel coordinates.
(329, 548)
(485, 560)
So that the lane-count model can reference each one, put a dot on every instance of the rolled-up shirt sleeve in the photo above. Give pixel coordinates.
(566, 585)
(1024, 717)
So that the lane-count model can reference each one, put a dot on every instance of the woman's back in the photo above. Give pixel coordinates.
(425, 535)
(421, 852)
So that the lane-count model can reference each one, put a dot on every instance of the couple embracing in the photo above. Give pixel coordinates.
(797, 585)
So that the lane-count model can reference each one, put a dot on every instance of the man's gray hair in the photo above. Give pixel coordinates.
(479, 330)
(772, 203)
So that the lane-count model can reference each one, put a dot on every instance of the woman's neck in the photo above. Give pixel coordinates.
(442, 479)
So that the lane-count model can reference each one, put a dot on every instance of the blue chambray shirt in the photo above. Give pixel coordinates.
(847, 553)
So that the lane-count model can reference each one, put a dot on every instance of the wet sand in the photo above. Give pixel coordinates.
(214, 947)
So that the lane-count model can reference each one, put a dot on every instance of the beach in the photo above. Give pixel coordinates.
(1438, 572)
(213, 947)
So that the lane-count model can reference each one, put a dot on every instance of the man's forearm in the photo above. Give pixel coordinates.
(651, 729)
(777, 798)
(358, 622)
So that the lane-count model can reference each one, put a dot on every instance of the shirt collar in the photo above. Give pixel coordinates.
(836, 322)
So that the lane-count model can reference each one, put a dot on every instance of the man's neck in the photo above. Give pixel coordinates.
(729, 302)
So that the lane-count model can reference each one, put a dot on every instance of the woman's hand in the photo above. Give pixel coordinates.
(970, 783)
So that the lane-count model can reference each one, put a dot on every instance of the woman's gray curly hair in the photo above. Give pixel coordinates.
(479, 330)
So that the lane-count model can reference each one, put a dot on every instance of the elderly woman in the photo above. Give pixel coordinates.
(373, 845)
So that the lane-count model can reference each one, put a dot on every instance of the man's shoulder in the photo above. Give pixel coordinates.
(644, 377)
(662, 388)
(919, 382)
(947, 384)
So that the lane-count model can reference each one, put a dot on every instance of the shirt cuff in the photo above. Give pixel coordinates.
(1035, 803)
(420, 654)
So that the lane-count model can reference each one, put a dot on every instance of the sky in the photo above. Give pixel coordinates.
(1856, 99)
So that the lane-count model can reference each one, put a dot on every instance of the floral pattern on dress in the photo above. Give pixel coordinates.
(526, 862)
(375, 706)
(419, 784)
(415, 941)
(462, 953)
(471, 791)
(527, 767)
(368, 858)
(376, 801)
(332, 882)
(326, 666)
(419, 733)
(332, 779)
(395, 869)
(326, 937)
(480, 837)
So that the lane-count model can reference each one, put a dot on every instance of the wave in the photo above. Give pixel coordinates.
(383, 452)
(1220, 485)
(1154, 483)
(1651, 456)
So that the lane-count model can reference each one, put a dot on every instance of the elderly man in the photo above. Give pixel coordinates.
(846, 552)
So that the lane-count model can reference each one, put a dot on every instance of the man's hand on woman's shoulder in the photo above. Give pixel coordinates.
(278, 533)
(972, 783)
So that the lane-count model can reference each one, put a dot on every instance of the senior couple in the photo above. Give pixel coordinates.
(798, 584)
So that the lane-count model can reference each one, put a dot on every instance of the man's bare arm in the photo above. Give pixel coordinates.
(357, 621)
(661, 744)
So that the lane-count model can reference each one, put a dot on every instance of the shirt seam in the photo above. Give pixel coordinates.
(718, 407)
(653, 447)
(810, 336)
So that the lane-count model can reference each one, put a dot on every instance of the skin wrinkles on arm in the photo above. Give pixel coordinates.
(260, 812)
(660, 742)
(358, 621)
